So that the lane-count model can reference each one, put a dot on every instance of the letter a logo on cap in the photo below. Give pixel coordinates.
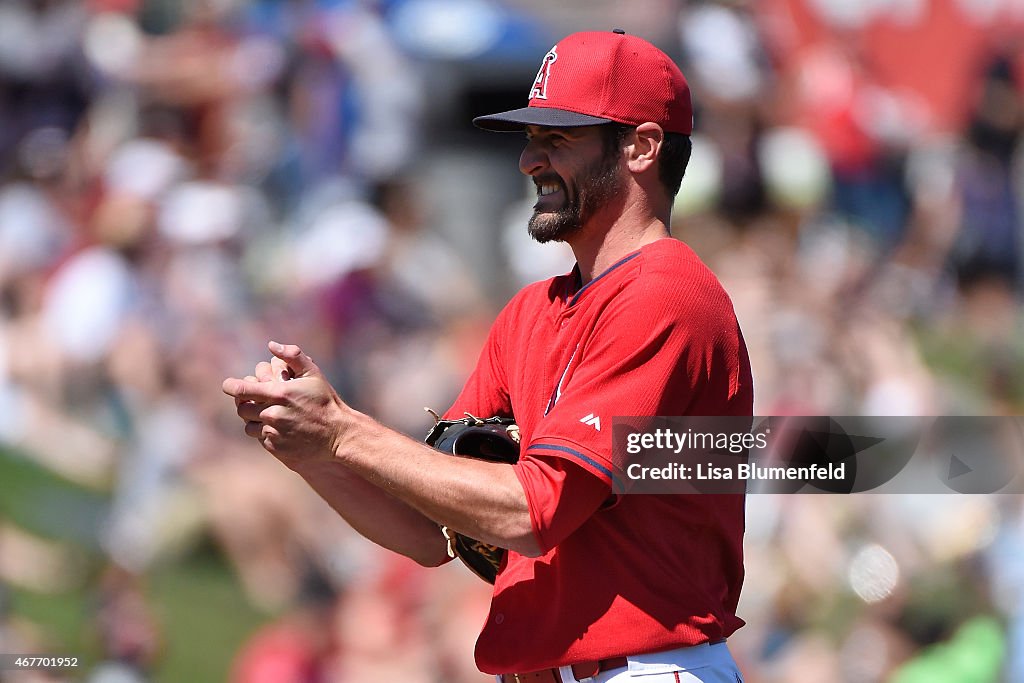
(540, 84)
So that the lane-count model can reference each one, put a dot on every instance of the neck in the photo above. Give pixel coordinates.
(601, 243)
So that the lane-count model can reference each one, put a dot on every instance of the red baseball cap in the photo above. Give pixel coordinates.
(602, 77)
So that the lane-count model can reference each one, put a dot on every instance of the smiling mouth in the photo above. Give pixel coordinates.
(548, 194)
(544, 189)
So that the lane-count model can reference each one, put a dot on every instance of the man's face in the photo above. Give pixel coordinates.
(575, 176)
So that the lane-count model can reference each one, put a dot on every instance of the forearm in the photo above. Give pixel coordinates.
(483, 500)
(377, 515)
(305, 424)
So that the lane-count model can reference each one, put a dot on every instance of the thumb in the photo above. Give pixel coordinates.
(299, 363)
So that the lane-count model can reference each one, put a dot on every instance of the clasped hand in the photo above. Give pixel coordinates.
(290, 408)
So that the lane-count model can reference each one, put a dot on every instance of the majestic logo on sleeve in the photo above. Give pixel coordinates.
(540, 84)
(592, 420)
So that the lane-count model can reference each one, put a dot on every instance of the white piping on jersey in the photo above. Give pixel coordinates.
(557, 394)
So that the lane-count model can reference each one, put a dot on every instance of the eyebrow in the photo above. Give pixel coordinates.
(542, 130)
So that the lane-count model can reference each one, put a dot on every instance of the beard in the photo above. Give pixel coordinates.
(597, 187)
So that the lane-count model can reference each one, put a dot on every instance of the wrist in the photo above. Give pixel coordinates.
(352, 433)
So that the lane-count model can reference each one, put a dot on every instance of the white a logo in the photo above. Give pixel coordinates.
(592, 420)
(540, 84)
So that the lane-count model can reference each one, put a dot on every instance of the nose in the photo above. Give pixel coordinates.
(533, 160)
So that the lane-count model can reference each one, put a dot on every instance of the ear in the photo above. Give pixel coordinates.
(644, 147)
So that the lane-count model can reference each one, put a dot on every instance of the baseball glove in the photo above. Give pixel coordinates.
(495, 439)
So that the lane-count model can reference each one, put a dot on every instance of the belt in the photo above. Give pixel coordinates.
(579, 672)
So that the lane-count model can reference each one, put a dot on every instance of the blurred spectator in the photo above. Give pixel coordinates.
(989, 240)
(298, 647)
(130, 636)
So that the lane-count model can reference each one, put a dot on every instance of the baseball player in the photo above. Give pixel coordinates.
(594, 586)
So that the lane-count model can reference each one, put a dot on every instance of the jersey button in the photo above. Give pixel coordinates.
(499, 618)
(564, 323)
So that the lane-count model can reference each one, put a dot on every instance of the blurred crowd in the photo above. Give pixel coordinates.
(182, 181)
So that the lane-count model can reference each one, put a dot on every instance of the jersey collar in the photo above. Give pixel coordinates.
(576, 276)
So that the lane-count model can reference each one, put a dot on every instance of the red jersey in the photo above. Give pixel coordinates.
(655, 334)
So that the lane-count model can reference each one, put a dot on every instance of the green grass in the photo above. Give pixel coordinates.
(203, 614)
(205, 618)
(40, 502)
(63, 620)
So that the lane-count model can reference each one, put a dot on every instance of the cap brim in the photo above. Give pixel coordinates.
(516, 120)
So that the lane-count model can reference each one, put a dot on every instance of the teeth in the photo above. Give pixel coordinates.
(547, 189)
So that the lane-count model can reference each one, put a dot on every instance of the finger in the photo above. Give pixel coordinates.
(280, 369)
(249, 411)
(243, 390)
(272, 415)
(248, 378)
(254, 429)
(264, 371)
(267, 433)
(299, 363)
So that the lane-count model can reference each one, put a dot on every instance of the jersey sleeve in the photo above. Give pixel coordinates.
(652, 351)
(560, 494)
